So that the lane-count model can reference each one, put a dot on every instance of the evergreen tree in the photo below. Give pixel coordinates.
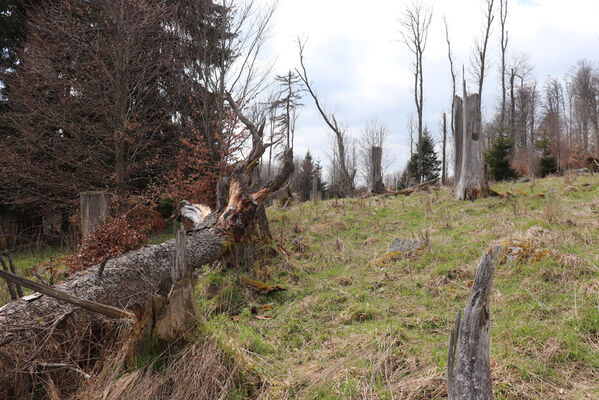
(547, 163)
(431, 166)
(498, 158)
(306, 175)
(322, 185)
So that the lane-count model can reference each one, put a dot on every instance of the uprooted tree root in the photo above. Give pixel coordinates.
(54, 353)
(69, 344)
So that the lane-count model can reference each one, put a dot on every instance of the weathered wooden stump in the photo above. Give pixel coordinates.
(314, 193)
(94, 210)
(472, 183)
(375, 180)
(468, 364)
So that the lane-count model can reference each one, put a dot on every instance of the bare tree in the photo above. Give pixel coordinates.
(503, 8)
(415, 24)
(457, 139)
(342, 158)
(583, 81)
(479, 57)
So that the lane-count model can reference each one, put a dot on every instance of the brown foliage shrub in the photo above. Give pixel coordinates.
(521, 163)
(112, 239)
(577, 157)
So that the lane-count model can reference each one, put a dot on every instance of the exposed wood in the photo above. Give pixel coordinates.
(469, 368)
(94, 210)
(67, 297)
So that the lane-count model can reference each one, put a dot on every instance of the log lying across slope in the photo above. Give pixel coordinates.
(29, 327)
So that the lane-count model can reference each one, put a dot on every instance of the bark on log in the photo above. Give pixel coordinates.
(469, 368)
(66, 297)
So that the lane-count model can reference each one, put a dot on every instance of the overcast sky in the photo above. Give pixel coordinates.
(362, 70)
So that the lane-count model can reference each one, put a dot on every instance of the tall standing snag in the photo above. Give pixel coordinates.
(348, 174)
(375, 180)
(473, 182)
(468, 364)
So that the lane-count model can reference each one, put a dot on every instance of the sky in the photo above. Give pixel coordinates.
(361, 69)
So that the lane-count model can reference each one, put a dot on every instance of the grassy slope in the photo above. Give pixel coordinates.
(346, 329)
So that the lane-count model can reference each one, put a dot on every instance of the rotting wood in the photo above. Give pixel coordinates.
(469, 368)
(67, 297)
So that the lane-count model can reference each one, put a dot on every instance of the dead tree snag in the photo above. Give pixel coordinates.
(468, 365)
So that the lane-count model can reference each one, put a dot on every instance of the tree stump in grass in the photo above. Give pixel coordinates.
(468, 364)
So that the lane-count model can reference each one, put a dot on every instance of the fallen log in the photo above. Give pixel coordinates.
(48, 330)
(66, 297)
(412, 189)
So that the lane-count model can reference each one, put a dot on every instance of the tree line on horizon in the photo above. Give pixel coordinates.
(139, 99)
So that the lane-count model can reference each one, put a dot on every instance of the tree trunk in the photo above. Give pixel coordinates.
(375, 180)
(94, 209)
(473, 182)
(458, 137)
(443, 171)
(468, 364)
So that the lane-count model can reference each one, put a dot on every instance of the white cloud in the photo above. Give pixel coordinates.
(361, 69)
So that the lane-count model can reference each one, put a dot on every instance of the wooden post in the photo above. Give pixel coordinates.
(468, 364)
(314, 194)
(375, 180)
(94, 210)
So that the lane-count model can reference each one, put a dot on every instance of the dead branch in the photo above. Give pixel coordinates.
(69, 298)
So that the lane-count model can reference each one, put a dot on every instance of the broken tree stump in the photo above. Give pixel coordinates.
(468, 364)
(178, 312)
(375, 180)
(94, 210)
(472, 183)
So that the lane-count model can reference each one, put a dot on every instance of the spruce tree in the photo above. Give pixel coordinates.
(547, 163)
(498, 159)
(431, 166)
(306, 175)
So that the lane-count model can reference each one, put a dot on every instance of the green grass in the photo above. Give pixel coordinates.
(349, 329)
(344, 329)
